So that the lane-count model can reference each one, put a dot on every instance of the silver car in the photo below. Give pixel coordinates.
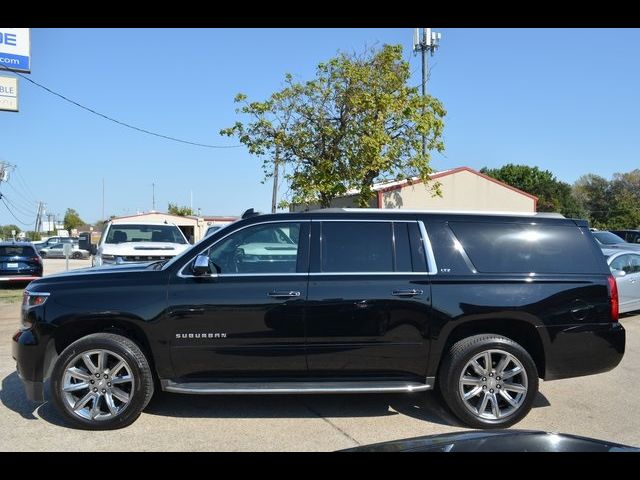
(57, 251)
(612, 241)
(625, 267)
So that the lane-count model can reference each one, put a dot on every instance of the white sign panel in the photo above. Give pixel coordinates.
(15, 49)
(9, 94)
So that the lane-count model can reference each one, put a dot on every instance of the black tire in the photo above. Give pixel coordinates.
(43, 254)
(76, 255)
(451, 371)
(140, 394)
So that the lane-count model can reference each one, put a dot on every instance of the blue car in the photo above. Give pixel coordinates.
(19, 262)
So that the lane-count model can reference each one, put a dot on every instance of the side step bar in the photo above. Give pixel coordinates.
(237, 388)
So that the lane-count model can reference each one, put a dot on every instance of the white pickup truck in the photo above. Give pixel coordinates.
(139, 242)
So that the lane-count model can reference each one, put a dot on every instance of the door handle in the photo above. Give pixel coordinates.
(411, 292)
(284, 294)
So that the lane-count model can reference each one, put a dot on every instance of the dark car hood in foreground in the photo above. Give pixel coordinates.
(497, 441)
(101, 270)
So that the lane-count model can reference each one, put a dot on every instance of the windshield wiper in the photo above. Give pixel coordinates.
(157, 265)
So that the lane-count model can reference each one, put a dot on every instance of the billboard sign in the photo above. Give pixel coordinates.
(9, 94)
(15, 49)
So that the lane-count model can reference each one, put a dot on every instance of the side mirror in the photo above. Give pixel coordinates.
(618, 273)
(93, 249)
(201, 265)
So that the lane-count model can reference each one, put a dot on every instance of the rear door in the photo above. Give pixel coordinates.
(368, 300)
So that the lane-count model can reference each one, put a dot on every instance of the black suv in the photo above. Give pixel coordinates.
(478, 306)
(630, 236)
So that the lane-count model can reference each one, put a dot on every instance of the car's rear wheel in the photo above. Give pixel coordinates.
(76, 255)
(102, 382)
(488, 381)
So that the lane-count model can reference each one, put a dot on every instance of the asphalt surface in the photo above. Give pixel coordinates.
(603, 406)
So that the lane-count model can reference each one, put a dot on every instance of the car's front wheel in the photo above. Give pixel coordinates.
(102, 382)
(488, 381)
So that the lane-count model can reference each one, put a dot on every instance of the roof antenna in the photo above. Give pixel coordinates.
(249, 213)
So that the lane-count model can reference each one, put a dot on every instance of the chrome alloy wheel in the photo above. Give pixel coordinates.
(97, 385)
(493, 384)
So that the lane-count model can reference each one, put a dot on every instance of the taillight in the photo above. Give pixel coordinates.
(613, 298)
(35, 259)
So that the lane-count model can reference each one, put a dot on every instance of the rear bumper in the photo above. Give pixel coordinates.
(575, 351)
(22, 277)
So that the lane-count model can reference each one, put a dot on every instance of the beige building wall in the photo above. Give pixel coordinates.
(350, 201)
(462, 190)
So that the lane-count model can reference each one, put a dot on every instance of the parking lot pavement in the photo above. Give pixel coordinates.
(56, 265)
(603, 406)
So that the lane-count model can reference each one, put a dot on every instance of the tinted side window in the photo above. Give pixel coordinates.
(448, 259)
(265, 248)
(525, 248)
(356, 247)
(402, 247)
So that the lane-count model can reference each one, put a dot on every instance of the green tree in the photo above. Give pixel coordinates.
(357, 121)
(174, 209)
(72, 220)
(593, 192)
(553, 194)
(5, 231)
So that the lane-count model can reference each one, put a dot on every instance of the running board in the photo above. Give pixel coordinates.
(390, 386)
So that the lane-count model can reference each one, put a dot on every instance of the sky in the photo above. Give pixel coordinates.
(561, 99)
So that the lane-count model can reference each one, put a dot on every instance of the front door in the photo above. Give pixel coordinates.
(248, 320)
(369, 300)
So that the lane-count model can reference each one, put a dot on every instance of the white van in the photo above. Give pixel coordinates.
(139, 242)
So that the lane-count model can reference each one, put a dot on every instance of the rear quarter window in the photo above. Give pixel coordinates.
(527, 248)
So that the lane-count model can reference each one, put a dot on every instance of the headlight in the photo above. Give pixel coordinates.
(33, 299)
(107, 258)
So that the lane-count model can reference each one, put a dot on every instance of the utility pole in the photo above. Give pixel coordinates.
(191, 202)
(103, 219)
(38, 225)
(274, 193)
(424, 40)
(153, 186)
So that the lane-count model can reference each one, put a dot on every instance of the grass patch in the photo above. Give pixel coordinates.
(11, 294)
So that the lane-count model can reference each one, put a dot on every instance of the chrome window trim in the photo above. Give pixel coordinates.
(367, 273)
(430, 257)
(37, 294)
(428, 248)
(366, 220)
(218, 275)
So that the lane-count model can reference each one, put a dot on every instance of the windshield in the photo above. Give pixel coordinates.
(608, 238)
(145, 233)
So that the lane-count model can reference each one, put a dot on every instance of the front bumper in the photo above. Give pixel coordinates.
(575, 351)
(34, 361)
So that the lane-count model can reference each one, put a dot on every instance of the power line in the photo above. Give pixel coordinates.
(106, 117)
(23, 198)
(12, 214)
(24, 183)
(20, 209)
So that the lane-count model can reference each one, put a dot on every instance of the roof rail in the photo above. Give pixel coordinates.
(426, 210)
